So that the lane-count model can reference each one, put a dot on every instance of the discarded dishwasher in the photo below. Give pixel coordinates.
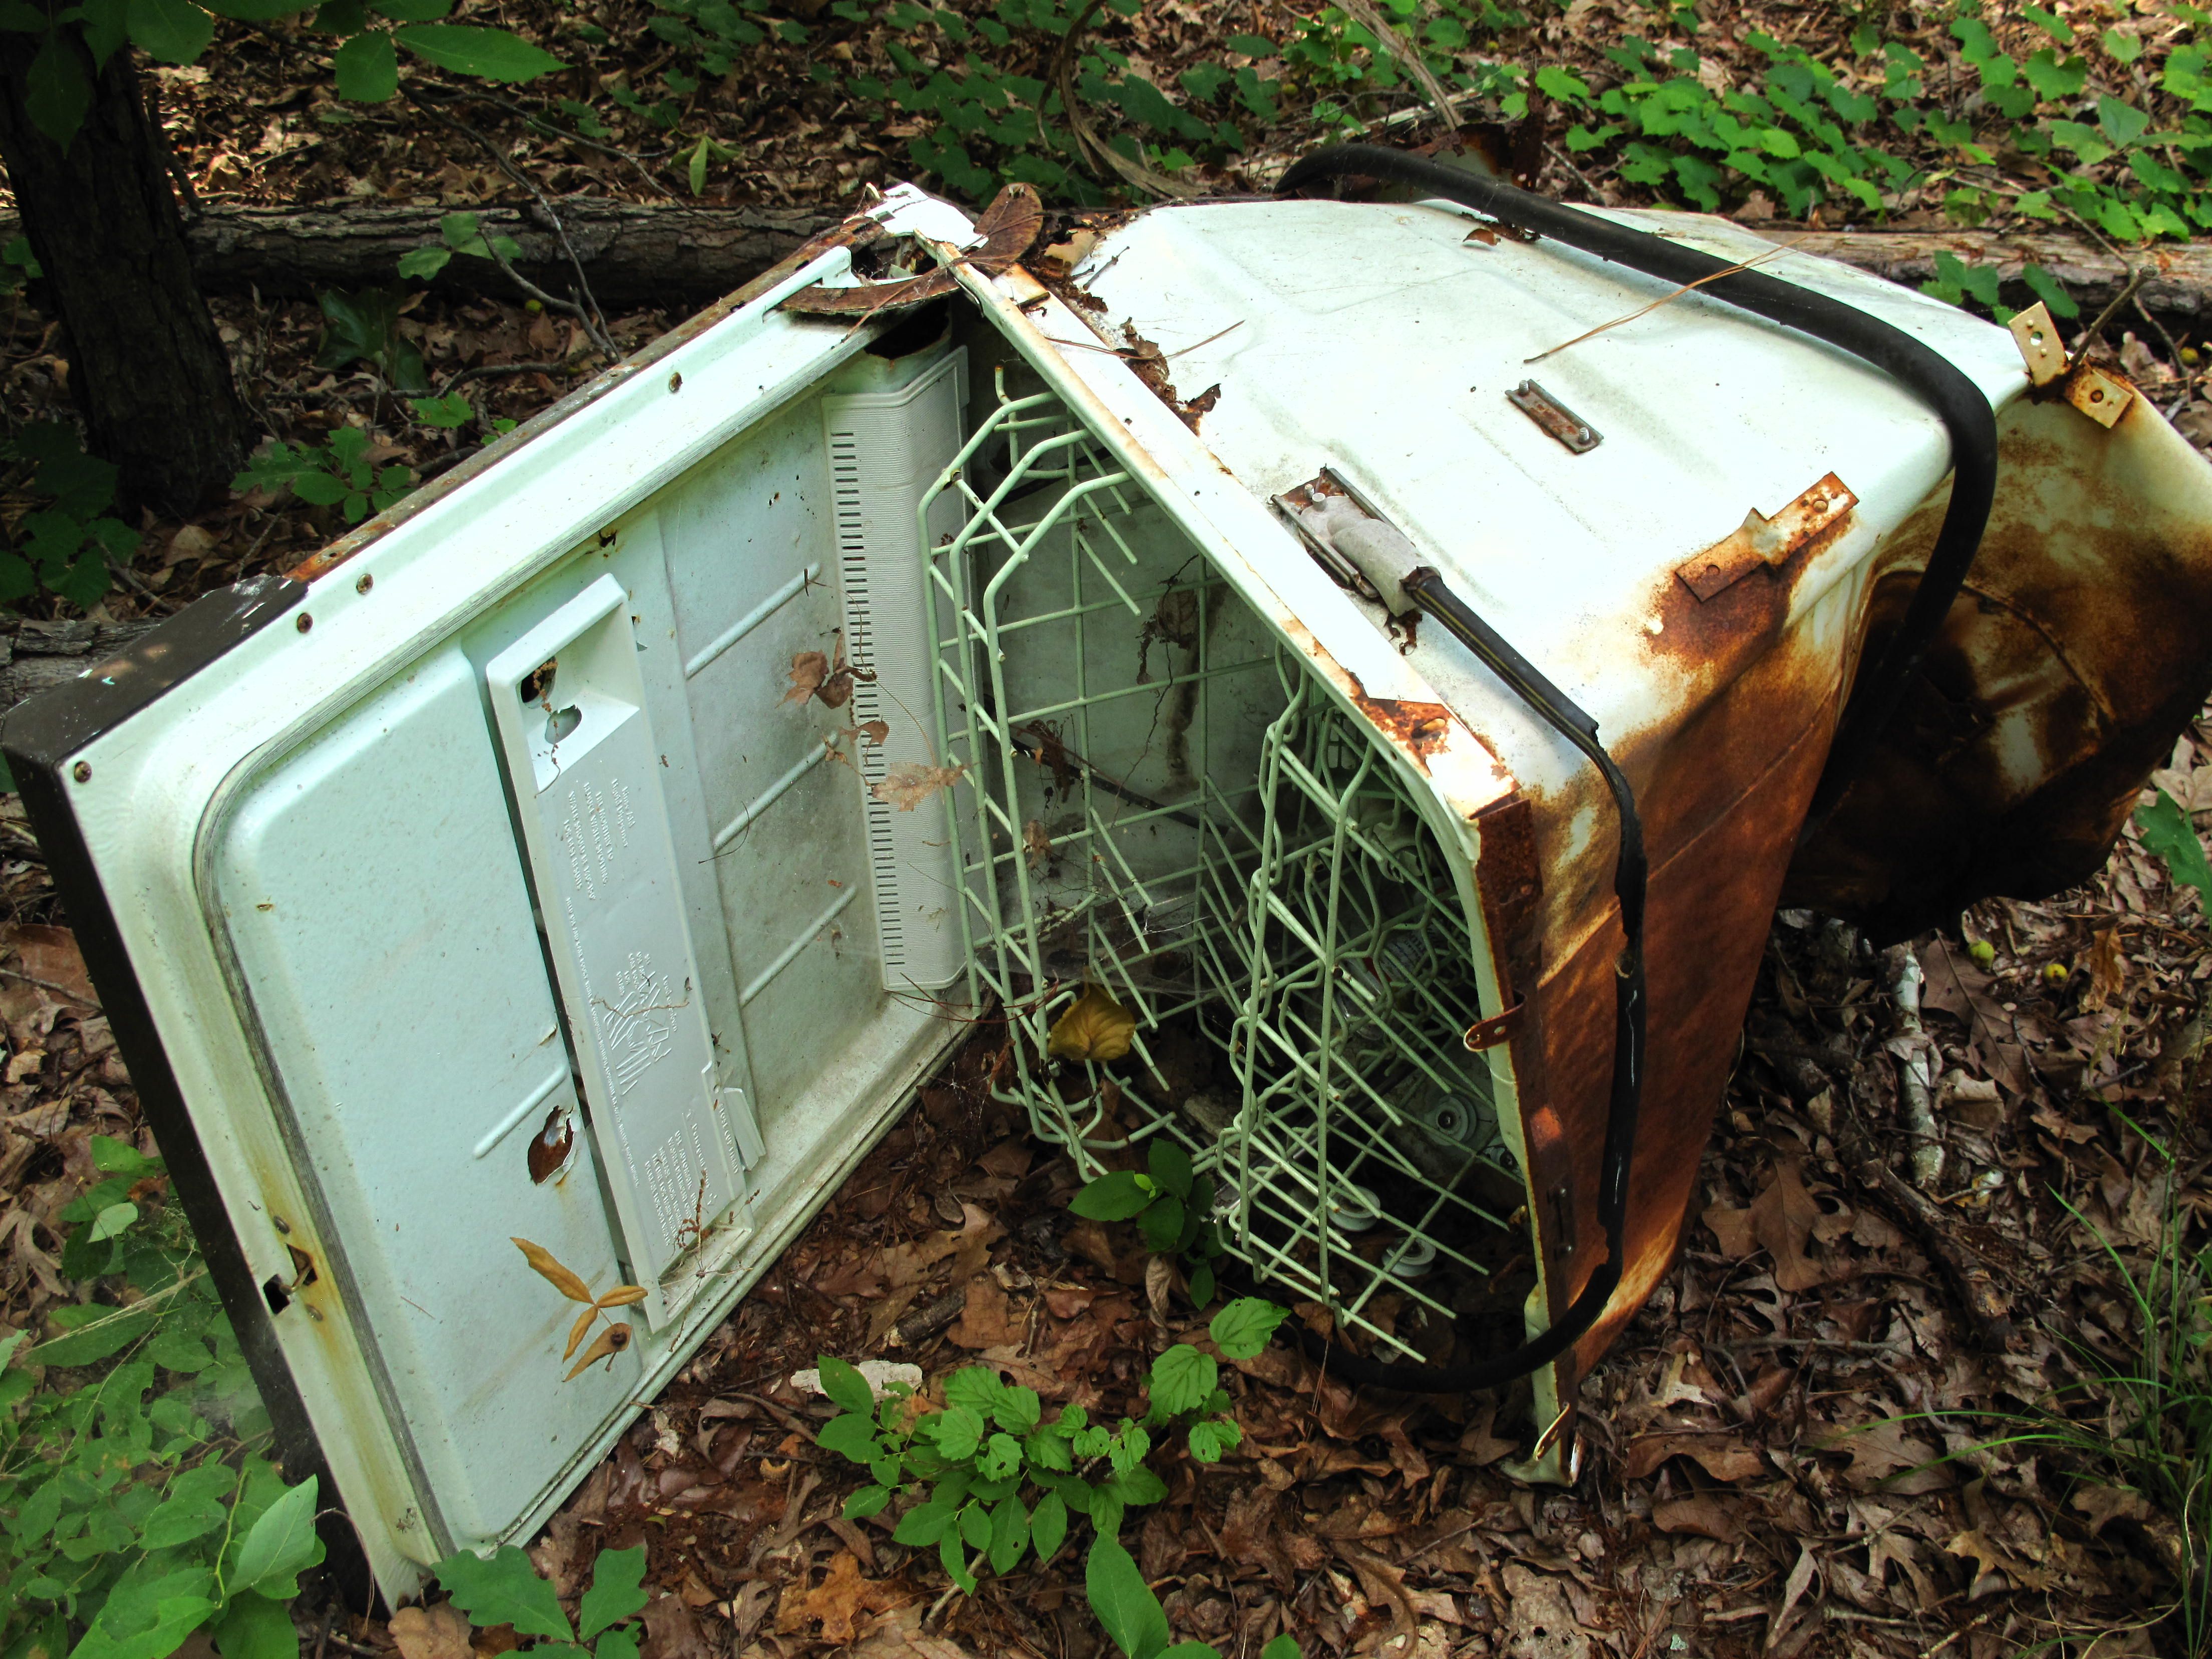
(597, 848)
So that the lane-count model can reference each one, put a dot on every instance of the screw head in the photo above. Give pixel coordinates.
(306, 622)
(364, 584)
(81, 771)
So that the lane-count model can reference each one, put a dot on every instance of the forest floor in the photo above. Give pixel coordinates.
(1780, 1456)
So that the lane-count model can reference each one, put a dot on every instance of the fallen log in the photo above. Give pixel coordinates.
(639, 255)
(2177, 275)
(36, 655)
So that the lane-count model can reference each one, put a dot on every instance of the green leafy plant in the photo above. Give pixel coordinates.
(364, 327)
(137, 1500)
(365, 64)
(1173, 1209)
(504, 1588)
(1955, 283)
(1132, 1616)
(458, 233)
(64, 545)
(2168, 834)
(1001, 1480)
(18, 265)
(337, 472)
(447, 412)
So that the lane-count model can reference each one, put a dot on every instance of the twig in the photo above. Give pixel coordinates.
(593, 320)
(61, 991)
(1916, 1072)
(483, 370)
(1669, 298)
(1567, 162)
(1094, 151)
(1409, 58)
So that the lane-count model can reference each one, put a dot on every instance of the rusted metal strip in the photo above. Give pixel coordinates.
(1760, 540)
(1489, 1033)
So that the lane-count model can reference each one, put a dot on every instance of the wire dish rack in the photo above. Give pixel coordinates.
(1160, 805)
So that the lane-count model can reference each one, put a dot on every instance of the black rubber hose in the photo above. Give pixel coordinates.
(1429, 590)
(1930, 376)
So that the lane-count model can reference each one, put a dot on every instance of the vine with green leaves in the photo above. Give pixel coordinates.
(137, 1496)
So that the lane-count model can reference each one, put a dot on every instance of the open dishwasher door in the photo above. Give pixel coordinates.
(598, 850)
(481, 882)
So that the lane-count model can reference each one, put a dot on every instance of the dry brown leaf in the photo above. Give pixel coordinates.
(986, 1320)
(839, 1600)
(558, 1276)
(580, 1330)
(2107, 971)
(2104, 1503)
(1783, 1217)
(612, 1340)
(1722, 1456)
(671, 1631)
(1036, 844)
(1793, 1590)
(439, 1632)
(1094, 1028)
(622, 1296)
(906, 784)
(873, 732)
(1732, 1228)
(1481, 1447)
(50, 953)
(1704, 1513)
(808, 670)
(1879, 1450)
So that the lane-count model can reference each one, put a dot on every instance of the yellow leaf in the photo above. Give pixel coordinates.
(622, 1296)
(577, 1331)
(1095, 1027)
(612, 1340)
(560, 1279)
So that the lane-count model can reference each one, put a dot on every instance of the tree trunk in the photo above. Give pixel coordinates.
(146, 366)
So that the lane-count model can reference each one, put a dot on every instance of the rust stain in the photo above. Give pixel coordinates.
(1418, 728)
(550, 1146)
(1811, 521)
(2059, 680)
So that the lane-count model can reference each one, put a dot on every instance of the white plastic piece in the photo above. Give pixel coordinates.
(886, 449)
(906, 210)
(570, 708)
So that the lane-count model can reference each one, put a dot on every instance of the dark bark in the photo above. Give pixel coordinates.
(146, 366)
(636, 257)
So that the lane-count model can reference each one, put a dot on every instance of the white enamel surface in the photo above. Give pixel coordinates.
(255, 723)
(1379, 339)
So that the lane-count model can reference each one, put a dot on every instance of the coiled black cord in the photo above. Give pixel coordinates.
(1931, 377)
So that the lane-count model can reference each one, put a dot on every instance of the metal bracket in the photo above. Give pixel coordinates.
(1773, 542)
(1498, 1028)
(2037, 336)
(1555, 417)
(2103, 397)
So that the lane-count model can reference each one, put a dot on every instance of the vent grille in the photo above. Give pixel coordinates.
(850, 510)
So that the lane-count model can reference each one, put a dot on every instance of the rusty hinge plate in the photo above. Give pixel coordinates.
(2103, 397)
(1498, 1028)
(1760, 540)
(1555, 417)
(2037, 335)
